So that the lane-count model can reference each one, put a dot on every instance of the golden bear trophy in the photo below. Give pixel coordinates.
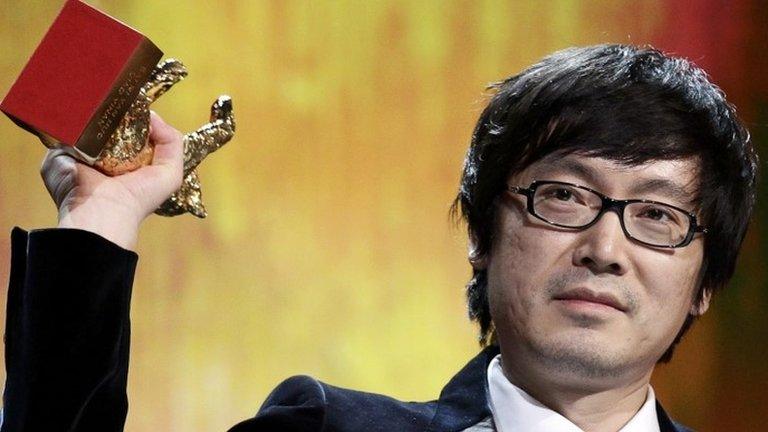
(129, 147)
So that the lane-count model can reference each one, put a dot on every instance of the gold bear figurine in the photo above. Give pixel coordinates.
(129, 148)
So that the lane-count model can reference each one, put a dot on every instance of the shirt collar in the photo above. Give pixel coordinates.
(515, 410)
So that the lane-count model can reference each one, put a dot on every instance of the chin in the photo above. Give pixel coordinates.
(580, 354)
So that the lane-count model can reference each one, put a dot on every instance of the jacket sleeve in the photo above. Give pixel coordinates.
(67, 332)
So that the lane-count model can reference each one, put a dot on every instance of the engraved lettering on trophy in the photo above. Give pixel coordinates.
(118, 104)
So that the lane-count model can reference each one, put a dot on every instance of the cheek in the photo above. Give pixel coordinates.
(506, 280)
(521, 259)
(671, 282)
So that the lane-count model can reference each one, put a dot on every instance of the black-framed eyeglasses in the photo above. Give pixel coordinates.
(569, 205)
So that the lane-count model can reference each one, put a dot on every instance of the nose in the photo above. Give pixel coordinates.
(602, 246)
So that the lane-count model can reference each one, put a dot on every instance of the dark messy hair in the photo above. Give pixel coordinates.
(625, 103)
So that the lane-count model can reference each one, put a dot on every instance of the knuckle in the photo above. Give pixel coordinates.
(47, 161)
(56, 161)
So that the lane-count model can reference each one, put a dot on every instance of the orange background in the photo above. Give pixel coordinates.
(328, 249)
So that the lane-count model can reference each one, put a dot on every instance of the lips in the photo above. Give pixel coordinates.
(587, 295)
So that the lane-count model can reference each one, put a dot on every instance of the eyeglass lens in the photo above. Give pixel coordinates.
(571, 206)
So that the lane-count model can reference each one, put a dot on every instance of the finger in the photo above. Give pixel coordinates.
(167, 140)
(58, 171)
(161, 132)
(168, 159)
(56, 160)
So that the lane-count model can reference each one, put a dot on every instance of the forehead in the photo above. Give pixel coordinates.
(673, 180)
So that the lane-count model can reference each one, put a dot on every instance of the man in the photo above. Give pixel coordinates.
(606, 191)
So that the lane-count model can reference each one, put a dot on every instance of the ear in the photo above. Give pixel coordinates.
(699, 308)
(476, 260)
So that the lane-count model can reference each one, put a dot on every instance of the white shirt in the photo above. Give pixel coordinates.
(515, 410)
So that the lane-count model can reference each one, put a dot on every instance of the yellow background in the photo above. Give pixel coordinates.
(328, 250)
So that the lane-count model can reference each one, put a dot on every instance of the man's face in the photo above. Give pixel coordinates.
(547, 285)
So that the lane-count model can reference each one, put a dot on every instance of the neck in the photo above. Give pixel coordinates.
(593, 405)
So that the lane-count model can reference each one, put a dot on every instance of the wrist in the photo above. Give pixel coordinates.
(121, 229)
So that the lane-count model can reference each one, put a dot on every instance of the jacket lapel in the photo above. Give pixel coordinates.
(464, 402)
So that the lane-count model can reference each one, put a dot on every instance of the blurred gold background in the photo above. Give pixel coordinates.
(328, 250)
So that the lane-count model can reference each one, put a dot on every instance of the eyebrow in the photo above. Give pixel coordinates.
(568, 166)
(664, 187)
(661, 186)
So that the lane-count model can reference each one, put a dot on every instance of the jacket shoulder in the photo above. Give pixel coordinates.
(303, 404)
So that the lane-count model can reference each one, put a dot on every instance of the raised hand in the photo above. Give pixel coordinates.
(115, 206)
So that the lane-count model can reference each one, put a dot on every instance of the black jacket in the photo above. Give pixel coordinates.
(67, 342)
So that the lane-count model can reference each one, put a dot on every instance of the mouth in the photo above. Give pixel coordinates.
(586, 298)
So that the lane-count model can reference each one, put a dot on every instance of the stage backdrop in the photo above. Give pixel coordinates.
(328, 249)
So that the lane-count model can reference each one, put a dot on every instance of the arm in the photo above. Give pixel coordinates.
(67, 326)
(67, 332)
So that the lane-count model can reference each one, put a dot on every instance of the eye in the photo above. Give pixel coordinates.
(559, 193)
(658, 214)
(563, 194)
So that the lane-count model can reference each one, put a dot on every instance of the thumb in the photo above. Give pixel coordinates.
(167, 169)
(168, 142)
